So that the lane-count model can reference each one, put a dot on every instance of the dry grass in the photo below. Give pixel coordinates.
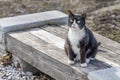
(107, 24)
(19, 7)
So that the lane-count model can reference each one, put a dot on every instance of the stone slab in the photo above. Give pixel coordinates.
(32, 20)
(105, 74)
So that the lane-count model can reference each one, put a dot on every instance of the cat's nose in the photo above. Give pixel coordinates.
(74, 24)
(73, 27)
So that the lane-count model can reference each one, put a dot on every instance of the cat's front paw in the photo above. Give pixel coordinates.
(71, 62)
(77, 59)
(83, 64)
(87, 60)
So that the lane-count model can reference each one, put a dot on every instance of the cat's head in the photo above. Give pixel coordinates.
(76, 21)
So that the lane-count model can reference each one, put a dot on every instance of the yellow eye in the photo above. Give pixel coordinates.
(78, 21)
(70, 20)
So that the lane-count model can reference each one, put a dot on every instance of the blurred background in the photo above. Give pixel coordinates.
(106, 23)
(18, 7)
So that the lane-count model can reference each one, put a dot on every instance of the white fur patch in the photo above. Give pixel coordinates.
(77, 58)
(83, 65)
(75, 35)
(70, 62)
(75, 25)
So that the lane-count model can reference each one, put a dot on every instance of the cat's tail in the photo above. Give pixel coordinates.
(99, 43)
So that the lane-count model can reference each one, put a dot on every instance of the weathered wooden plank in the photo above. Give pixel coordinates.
(105, 53)
(41, 34)
(106, 50)
(44, 54)
(43, 62)
(106, 43)
(48, 37)
(56, 30)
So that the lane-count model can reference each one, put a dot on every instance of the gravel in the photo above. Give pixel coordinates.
(10, 73)
(11, 69)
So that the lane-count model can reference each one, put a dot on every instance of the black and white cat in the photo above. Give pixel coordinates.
(80, 44)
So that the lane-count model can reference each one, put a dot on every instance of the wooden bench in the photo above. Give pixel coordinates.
(43, 48)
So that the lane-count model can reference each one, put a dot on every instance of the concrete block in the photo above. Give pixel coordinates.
(105, 74)
(31, 20)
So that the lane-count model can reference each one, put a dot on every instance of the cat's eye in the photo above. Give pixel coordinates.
(78, 21)
(70, 20)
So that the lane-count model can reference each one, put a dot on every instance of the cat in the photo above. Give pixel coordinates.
(80, 44)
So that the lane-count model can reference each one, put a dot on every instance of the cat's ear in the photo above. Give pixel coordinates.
(70, 13)
(84, 15)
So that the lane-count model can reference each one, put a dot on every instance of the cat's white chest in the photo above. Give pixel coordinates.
(74, 37)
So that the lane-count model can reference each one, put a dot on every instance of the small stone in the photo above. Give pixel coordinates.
(112, 26)
(22, 73)
(9, 77)
(24, 6)
(113, 15)
(29, 73)
(1, 75)
(10, 15)
(19, 11)
(33, 78)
